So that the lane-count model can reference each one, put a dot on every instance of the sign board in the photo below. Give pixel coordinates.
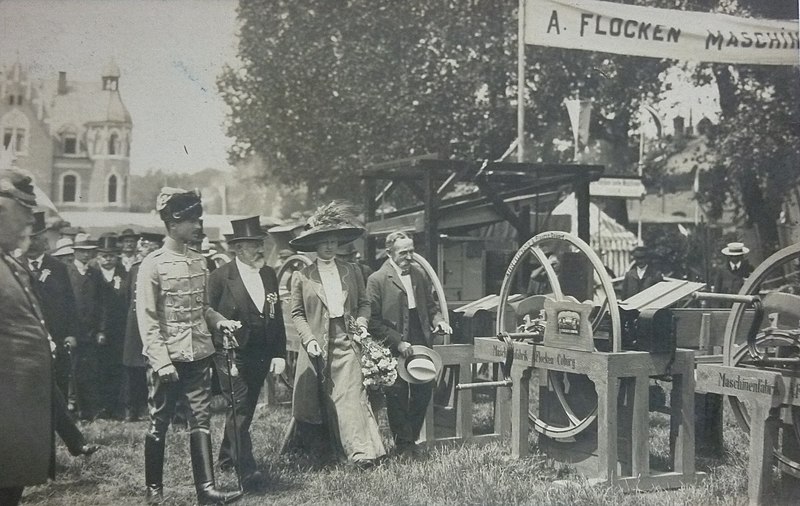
(627, 188)
(661, 33)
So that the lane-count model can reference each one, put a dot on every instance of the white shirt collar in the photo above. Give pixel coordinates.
(244, 267)
(39, 259)
(398, 270)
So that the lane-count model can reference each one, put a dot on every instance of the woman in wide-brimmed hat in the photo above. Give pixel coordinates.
(330, 310)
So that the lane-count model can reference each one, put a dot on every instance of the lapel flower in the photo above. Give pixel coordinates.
(117, 282)
(272, 298)
(43, 275)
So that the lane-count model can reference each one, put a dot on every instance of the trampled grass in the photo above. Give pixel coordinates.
(462, 474)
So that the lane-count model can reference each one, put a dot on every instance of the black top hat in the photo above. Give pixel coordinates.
(152, 237)
(107, 243)
(337, 219)
(128, 232)
(245, 229)
(39, 225)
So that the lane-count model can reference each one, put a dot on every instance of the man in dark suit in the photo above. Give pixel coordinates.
(730, 277)
(85, 281)
(114, 300)
(246, 290)
(403, 313)
(54, 289)
(641, 275)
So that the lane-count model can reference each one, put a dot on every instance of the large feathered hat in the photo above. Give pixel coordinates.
(337, 219)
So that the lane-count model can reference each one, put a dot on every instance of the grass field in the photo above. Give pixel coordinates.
(464, 474)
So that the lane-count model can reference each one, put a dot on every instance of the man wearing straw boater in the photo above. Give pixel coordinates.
(404, 313)
(246, 290)
(174, 319)
(730, 277)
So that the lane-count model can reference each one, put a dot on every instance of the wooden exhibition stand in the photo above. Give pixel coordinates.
(607, 370)
(763, 392)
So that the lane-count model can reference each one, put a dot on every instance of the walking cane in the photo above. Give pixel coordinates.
(72, 383)
(229, 345)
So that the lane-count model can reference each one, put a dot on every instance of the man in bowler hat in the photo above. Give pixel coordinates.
(641, 275)
(128, 240)
(246, 290)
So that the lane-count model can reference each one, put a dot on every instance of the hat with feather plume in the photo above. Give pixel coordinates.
(338, 220)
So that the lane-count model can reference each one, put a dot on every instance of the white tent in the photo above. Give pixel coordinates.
(610, 240)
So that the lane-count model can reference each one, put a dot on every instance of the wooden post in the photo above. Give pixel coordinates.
(607, 387)
(763, 436)
(431, 231)
(640, 433)
(521, 375)
(682, 410)
(464, 403)
(582, 197)
(369, 214)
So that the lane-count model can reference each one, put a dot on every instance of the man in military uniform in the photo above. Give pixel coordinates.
(135, 389)
(174, 319)
(26, 437)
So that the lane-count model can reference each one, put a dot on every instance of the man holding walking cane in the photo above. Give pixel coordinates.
(246, 290)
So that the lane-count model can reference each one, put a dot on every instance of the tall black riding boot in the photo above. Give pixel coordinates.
(154, 469)
(203, 471)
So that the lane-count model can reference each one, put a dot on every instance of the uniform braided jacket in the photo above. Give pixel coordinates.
(172, 306)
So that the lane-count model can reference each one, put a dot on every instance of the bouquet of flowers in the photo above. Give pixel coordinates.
(378, 365)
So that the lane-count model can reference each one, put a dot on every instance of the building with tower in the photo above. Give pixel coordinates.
(74, 136)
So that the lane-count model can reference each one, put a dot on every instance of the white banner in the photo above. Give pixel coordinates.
(661, 33)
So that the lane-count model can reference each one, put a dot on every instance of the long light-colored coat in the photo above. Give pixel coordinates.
(310, 317)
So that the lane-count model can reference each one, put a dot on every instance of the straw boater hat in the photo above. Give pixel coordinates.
(63, 247)
(246, 229)
(421, 367)
(735, 249)
(337, 219)
(82, 241)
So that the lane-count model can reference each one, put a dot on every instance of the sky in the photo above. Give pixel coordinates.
(170, 53)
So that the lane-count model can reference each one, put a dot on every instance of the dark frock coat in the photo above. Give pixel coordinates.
(57, 298)
(26, 426)
(89, 310)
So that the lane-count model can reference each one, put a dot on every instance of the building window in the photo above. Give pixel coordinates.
(112, 144)
(11, 100)
(15, 135)
(112, 189)
(15, 125)
(19, 99)
(69, 188)
(70, 145)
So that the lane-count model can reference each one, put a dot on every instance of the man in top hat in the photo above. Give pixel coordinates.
(63, 251)
(730, 277)
(26, 438)
(641, 275)
(128, 239)
(174, 321)
(246, 290)
(114, 299)
(86, 287)
(404, 313)
(134, 397)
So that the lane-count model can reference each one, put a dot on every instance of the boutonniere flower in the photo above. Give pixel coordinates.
(43, 275)
(272, 298)
(117, 282)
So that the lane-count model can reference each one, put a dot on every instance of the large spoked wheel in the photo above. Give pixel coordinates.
(777, 280)
(576, 408)
(292, 264)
